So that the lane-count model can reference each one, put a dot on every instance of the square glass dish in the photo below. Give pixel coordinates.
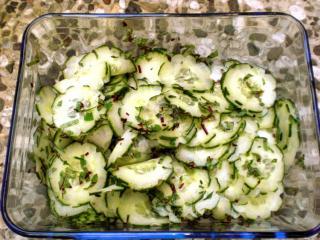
(276, 41)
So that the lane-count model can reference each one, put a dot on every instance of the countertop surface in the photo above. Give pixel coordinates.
(15, 15)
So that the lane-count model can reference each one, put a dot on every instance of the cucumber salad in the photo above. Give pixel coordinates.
(155, 139)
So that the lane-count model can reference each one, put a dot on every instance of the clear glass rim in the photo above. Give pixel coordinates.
(150, 234)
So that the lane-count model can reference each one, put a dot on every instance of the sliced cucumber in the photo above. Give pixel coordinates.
(140, 151)
(112, 200)
(293, 143)
(267, 120)
(262, 167)
(236, 189)
(117, 86)
(223, 209)
(101, 136)
(182, 132)
(287, 126)
(164, 210)
(148, 66)
(45, 99)
(249, 87)
(189, 183)
(90, 72)
(61, 140)
(116, 59)
(79, 173)
(200, 157)
(177, 98)
(186, 72)
(165, 190)
(75, 112)
(114, 119)
(156, 115)
(223, 173)
(134, 101)
(259, 207)
(135, 208)
(146, 174)
(122, 146)
(215, 99)
(229, 129)
(205, 130)
(208, 202)
(72, 66)
(42, 149)
(63, 210)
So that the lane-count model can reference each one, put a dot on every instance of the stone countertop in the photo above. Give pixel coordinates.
(15, 15)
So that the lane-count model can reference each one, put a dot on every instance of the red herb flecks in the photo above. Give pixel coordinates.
(86, 154)
(181, 185)
(192, 165)
(124, 120)
(161, 119)
(173, 188)
(204, 128)
(139, 69)
(127, 114)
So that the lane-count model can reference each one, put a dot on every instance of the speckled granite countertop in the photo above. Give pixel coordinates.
(16, 14)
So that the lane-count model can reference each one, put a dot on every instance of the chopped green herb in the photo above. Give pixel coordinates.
(88, 116)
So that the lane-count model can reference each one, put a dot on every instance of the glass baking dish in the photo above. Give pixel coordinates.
(275, 41)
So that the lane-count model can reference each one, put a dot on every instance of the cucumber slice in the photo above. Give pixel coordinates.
(45, 99)
(249, 87)
(140, 151)
(188, 212)
(90, 72)
(165, 190)
(101, 136)
(208, 202)
(244, 142)
(114, 119)
(135, 208)
(42, 150)
(287, 129)
(156, 115)
(236, 189)
(116, 59)
(72, 66)
(215, 99)
(262, 167)
(259, 207)
(200, 157)
(223, 173)
(117, 86)
(75, 112)
(148, 66)
(122, 146)
(164, 210)
(223, 209)
(190, 105)
(79, 173)
(189, 183)
(112, 200)
(229, 129)
(61, 210)
(205, 130)
(134, 101)
(182, 131)
(61, 140)
(186, 72)
(144, 175)
(293, 143)
(267, 120)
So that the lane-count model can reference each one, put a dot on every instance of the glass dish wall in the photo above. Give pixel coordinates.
(274, 41)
